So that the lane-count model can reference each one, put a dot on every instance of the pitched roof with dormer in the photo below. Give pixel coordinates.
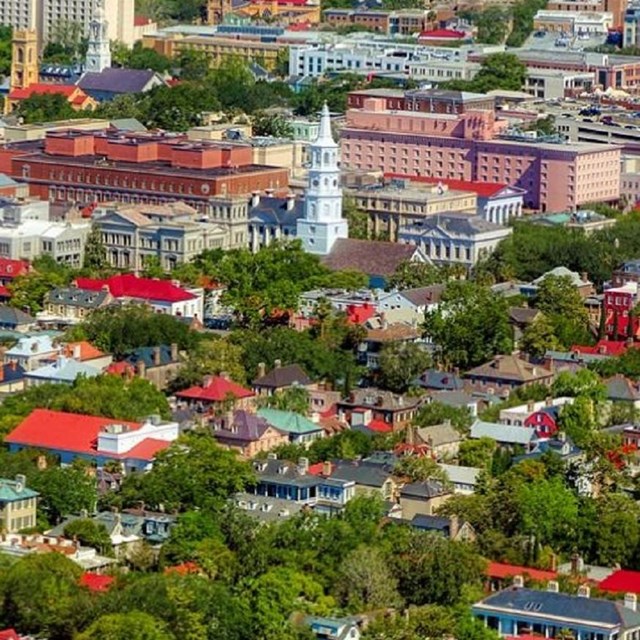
(510, 367)
(215, 389)
(283, 376)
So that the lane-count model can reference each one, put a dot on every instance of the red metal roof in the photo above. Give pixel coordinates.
(443, 34)
(61, 431)
(359, 313)
(42, 88)
(604, 347)
(95, 582)
(501, 570)
(147, 449)
(129, 285)
(318, 468)
(379, 426)
(621, 581)
(216, 390)
(4, 292)
(141, 21)
(483, 189)
(12, 268)
(9, 634)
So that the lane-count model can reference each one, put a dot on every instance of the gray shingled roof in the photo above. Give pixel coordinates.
(76, 297)
(368, 256)
(285, 376)
(274, 211)
(117, 80)
(13, 316)
(582, 611)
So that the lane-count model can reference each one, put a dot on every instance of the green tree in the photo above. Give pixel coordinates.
(90, 534)
(549, 511)
(578, 420)
(500, 71)
(212, 357)
(134, 625)
(29, 291)
(357, 218)
(436, 413)
(401, 363)
(40, 594)
(95, 253)
(539, 337)
(293, 399)
(45, 107)
(367, 581)
(194, 472)
(559, 299)
(410, 275)
(140, 57)
(276, 126)
(470, 325)
(583, 382)
(65, 490)
(421, 469)
(477, 453)
(119, 330)
(617, 533)
(194, 65)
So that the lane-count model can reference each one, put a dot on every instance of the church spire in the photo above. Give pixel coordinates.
(324, 133)
(98, 48)
(323, 223)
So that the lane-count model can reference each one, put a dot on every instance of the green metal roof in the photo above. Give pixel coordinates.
(9, 491)
(288, 421)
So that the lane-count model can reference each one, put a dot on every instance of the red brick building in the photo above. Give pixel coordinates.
(619, 308)
(112, 166)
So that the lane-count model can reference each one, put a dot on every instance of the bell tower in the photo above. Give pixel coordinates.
(24, 61)
(98, 48)
(323, 223)
(217, 10)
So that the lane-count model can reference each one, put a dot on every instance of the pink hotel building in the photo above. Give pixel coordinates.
(457, 135)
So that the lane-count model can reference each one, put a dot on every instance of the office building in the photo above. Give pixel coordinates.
(136, 168)
(452, 134)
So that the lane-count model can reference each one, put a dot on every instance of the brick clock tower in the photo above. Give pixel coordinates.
(217, 10)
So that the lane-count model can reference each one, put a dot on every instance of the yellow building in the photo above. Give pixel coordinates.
(216, 47)
(289, 11)
(24, 61)
(17, 505)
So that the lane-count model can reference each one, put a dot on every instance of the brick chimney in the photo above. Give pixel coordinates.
(262, 370)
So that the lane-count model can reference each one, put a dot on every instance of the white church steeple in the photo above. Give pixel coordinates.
(323, 224)
(98, 50)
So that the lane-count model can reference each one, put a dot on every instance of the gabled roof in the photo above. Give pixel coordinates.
(502, 570)
(577, 610)
(31, 346)
(77, 297)
(604, 348)
(288, 421)
(284, 376)
(63, 370)
(12, 316)
(620, 388)
(62, 431)
(503, 432)
(11, 371)
(368, 256)
(422, 296)
(438, 435)
(114, 80)
(563, 272)
(11, 491)
(440, 380)
(361, 472)
(146, 355)
(246, 427)
(523, 315)
(66, 90)
(510, 367)
(215, 389)
(423, 489)
(129, 285)
(431, 523)
(82, 350)
(276, 211)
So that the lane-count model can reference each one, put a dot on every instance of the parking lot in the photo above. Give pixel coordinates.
(548, 41)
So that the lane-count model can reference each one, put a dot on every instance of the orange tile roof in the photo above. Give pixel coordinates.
(82, 351)
(49, 89)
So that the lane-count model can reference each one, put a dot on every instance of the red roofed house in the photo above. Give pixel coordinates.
(75, 96)
(9, 634)
(442, 36)
(501, 575)
(165, 296)
(217, 394)
(604, 348)
(96, 439)
(621, 581)
(9, 270)
(618, 306)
